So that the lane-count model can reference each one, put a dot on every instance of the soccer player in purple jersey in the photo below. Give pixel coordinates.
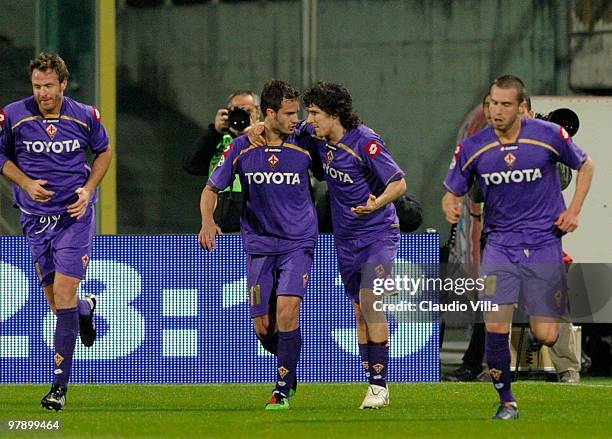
(279, 228)
(525, 216)
(43, 141)
(363, 181)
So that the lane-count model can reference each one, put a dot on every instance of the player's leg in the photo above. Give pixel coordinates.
(377, 331)
(377, 263)
(289, 347)
(64, 339)
(497, 350)
(348, 253)
(545, 291)
(71, 243)
(502, 288)
(265, 330)
(48, 289)
(293, 274)
(362, 338)
(262, 303)
(545, 329)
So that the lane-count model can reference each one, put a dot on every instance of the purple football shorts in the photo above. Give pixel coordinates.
(59, 243)
(269, 276)
(361, 261)
(537, 274)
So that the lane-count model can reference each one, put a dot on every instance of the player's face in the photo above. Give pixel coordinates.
(486, 110)
(48, 91)
(247, 103)
(505, 108)
(322, 122)
(286, 118)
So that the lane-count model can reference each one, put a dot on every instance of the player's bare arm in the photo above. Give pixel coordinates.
(209, 229)
(34, 188)
(392, 192)
(451, 206)
(568, 220)
(98, 171)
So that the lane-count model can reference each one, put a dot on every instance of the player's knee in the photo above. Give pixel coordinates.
(498, 327)
(549, 339)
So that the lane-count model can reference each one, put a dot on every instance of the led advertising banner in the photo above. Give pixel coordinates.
(169, 312)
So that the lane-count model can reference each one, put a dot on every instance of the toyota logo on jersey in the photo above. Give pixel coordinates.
(96, 113)
(373, 149)
(2, 120)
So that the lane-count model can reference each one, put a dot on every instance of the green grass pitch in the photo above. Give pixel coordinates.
(447, 410)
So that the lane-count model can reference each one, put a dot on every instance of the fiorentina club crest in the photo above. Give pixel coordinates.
(330, 156)
(510, 159)
(58, 359)
(51, 130)
(282, 372)
(273, 160)
(378, 367)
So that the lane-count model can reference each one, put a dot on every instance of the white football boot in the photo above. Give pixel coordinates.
(376, 397)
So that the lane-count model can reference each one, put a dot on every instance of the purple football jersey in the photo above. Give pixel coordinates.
(279, 214)
(355, 167)
(51, 149)
(519, 180)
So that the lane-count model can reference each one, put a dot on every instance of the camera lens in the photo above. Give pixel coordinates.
(239, 119)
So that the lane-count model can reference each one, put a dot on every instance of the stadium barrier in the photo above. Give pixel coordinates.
(168, 312)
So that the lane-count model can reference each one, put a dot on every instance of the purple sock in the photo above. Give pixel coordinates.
(289, 344)
(498, 360)
(378, 359)
(84, 308)
(66, 331)
(363, 354)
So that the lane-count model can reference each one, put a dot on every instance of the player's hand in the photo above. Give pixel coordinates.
(256, 134)
(451, 206)
(221, 120)
(37, 192)
(567, 221)
(79, 207)
(370, 207)
(207, 236)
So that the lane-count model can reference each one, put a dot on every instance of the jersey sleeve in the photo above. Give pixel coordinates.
(377, 158)
(7, 144)
(569, 153)
(98, 137)
(459, 175)
(226, 169)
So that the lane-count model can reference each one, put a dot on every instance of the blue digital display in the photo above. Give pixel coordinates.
(168, 312)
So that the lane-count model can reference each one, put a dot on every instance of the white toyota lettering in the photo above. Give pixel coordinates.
(337, 175)
(272, 177)
(57, 147)
(515, 176)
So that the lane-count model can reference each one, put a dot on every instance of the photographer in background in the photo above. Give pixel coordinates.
(242, 111)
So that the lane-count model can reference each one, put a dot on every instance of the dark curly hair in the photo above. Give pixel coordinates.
(274, 92)
(45, 61)
(335, 100)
